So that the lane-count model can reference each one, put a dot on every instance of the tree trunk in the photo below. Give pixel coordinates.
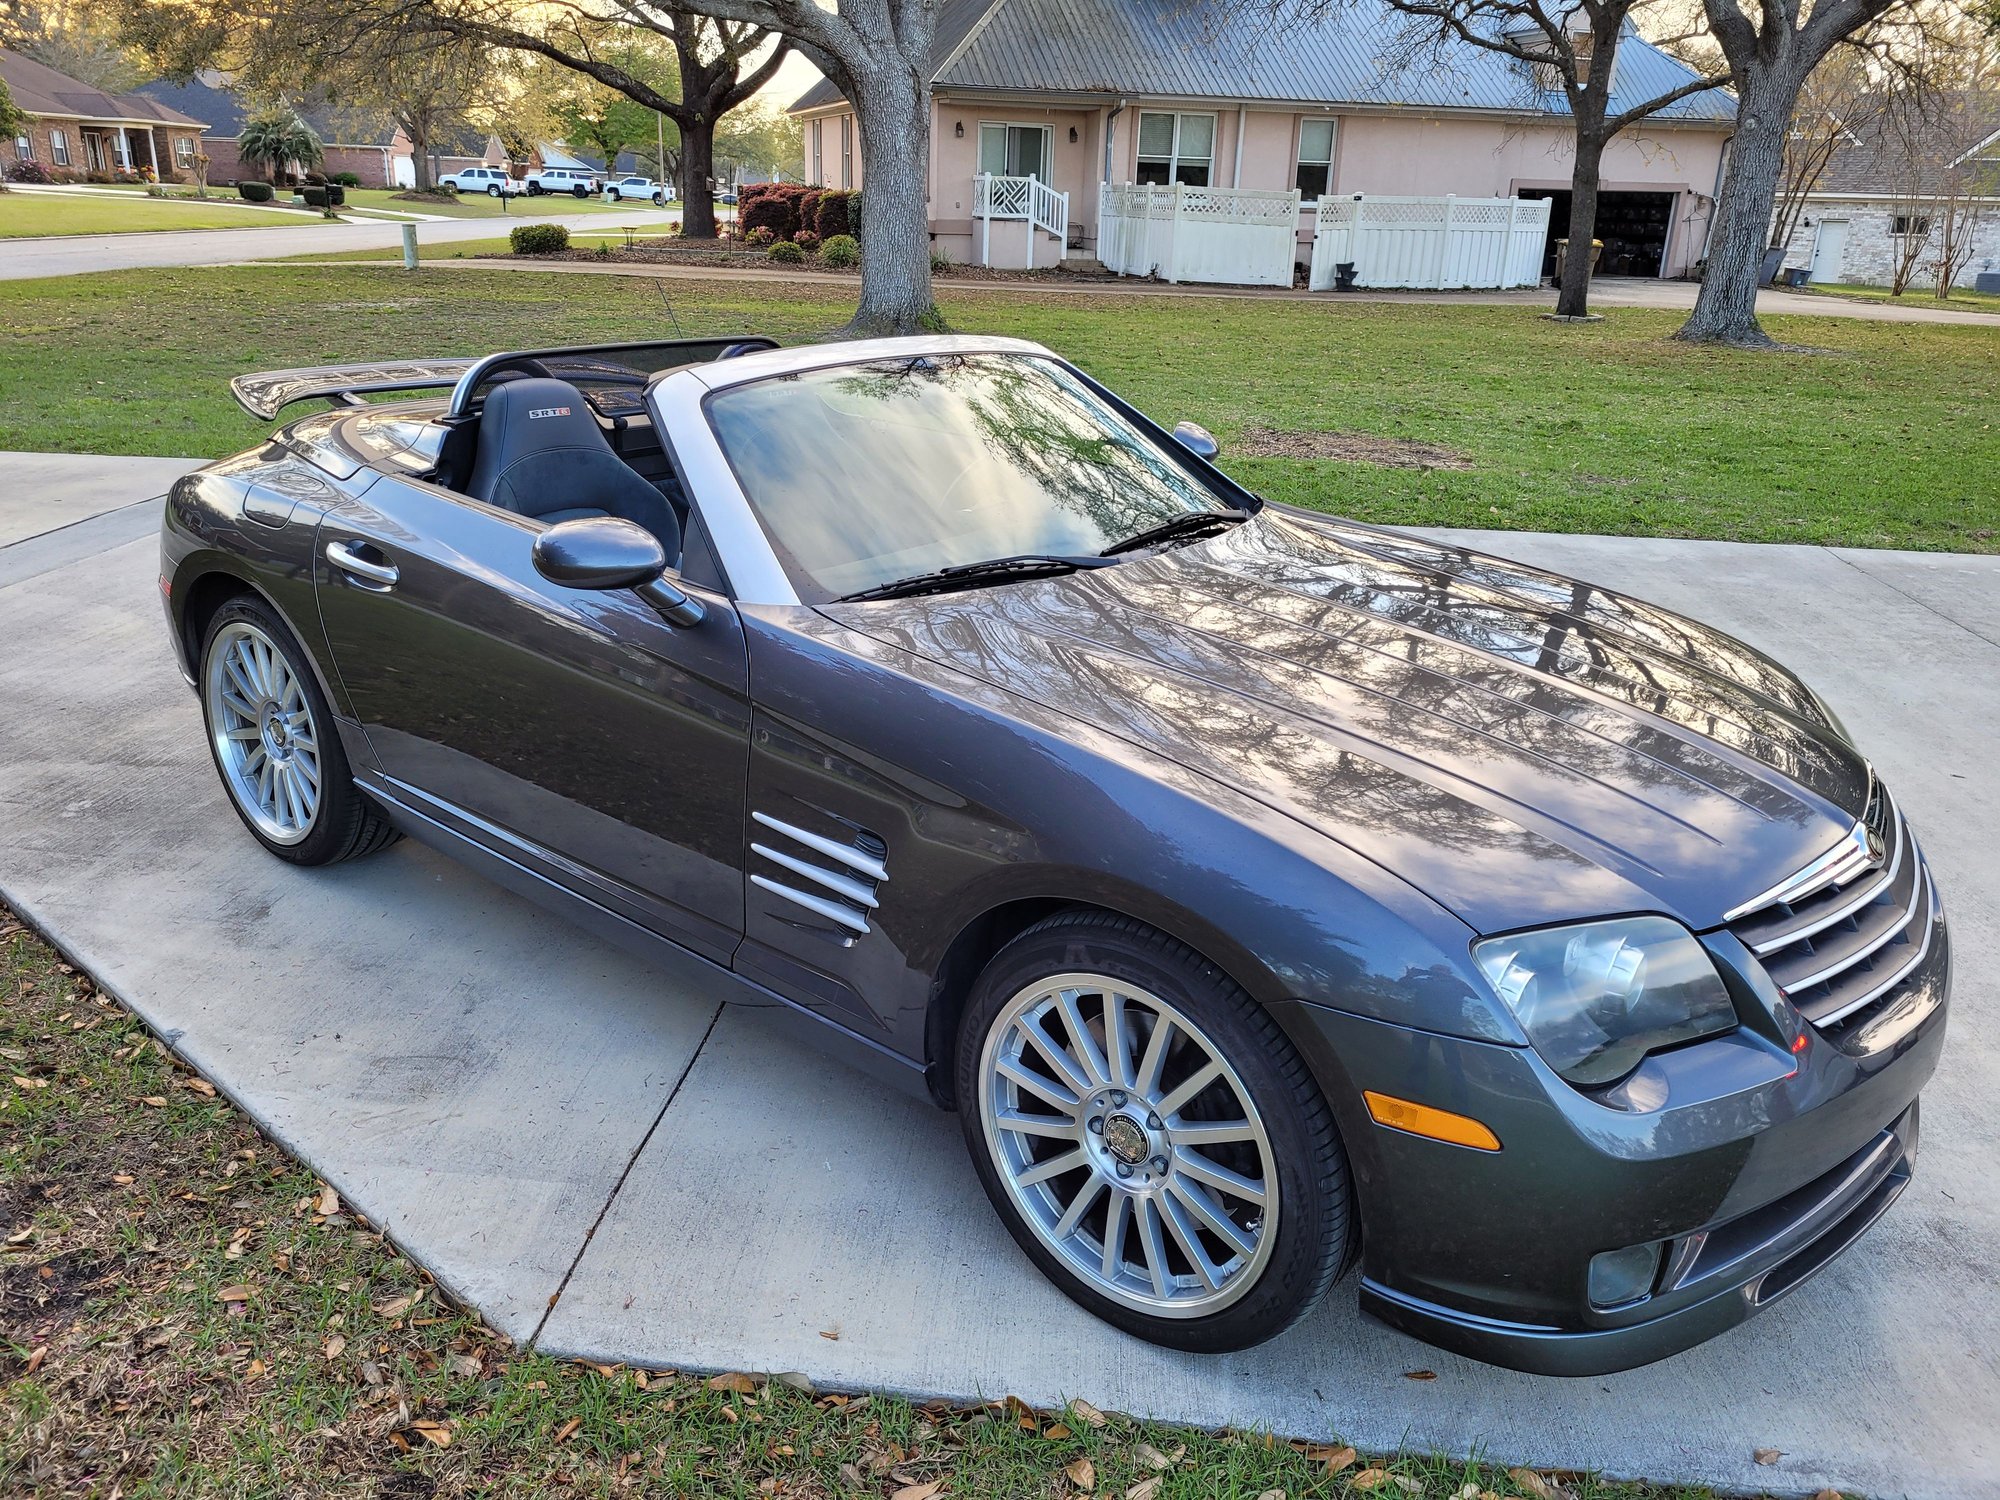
(893, 113)
(420, 158)
(1725, 311)
(1574, 299)
(697, 178)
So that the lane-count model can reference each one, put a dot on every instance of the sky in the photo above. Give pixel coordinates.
(794, 76)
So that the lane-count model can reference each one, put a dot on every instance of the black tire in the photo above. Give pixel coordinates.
(579, 191)
(534, 190)
(614, 195)
(1316, 1221)
(346, 824)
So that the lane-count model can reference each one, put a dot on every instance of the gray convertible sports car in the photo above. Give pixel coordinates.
(1266, 892)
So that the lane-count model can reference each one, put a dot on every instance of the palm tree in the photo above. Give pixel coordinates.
(271, 140)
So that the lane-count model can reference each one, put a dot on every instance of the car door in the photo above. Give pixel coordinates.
(573, 731)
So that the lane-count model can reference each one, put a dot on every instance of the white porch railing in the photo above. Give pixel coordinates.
(1430, 242)
(1242, 236)
(1025, 200)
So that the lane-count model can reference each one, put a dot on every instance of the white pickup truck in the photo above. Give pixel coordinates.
(578, 184)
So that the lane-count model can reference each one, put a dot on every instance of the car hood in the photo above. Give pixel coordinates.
(1519, 746)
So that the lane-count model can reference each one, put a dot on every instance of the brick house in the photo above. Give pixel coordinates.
(368, 147)
(76, 132)
(1886, 192)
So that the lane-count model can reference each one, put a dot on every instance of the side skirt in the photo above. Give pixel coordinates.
(808, 1027)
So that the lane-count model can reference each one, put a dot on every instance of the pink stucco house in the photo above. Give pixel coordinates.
(1214, 95)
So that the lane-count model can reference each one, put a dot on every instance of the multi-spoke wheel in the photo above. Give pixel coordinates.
(1151, 1137)
(272, 736)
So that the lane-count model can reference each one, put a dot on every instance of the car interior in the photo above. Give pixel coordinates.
(557, 449)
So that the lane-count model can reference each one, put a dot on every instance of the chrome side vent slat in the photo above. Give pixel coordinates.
(846, 894)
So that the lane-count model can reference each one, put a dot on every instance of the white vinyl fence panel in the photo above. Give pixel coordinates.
(1241, 236)
(1430, 242)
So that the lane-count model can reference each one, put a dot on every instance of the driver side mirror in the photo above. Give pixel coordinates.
(1197, 439)
(605, 552)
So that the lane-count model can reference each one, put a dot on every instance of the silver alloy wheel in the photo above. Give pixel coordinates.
(1129, 1144)
(261, 726)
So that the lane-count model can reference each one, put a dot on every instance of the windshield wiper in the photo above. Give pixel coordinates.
(1191, 524)
(992, 570)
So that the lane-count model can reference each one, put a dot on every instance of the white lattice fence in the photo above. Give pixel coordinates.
(1242, 236)
(1430, 242)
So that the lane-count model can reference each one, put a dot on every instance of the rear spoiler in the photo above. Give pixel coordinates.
(269, 392)
(266, 394)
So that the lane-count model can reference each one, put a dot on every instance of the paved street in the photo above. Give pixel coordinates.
(534, 1115)
(76, 254)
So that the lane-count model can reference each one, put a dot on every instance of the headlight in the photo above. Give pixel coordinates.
(1595, 998)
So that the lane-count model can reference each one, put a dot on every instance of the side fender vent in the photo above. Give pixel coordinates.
(834, 880)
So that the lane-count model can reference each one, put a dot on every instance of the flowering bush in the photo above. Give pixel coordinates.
(763, 234)
(806, 240)
(28, 171)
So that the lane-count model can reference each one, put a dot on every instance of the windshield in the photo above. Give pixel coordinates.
(863, 474)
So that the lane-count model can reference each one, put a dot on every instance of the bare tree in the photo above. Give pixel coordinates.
(1772, 47)
(1839, 104)
(1961, 209)
(1566, 47)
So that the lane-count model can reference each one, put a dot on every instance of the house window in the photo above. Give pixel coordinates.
(847, 151)
(24, 147)
(59, 148)
(1015, 151)
(184, 153)
(1315, 175)
(1176, 148)
(1914, 226)
(818, 173)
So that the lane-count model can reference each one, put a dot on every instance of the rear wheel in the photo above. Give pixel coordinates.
(579, 191)
(614, 195)
(534, 190)
(1151, 1138)
(272, 737)
(492, 189)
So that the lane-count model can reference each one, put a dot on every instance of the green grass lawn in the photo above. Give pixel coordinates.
(23, 214)
(1917, 296)
(1884, 438)
(186, 1311)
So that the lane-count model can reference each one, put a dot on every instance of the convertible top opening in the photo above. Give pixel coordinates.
(619, 370)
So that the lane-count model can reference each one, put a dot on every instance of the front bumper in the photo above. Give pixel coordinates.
(1748, 1166)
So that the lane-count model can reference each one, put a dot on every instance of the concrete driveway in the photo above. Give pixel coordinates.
(74, 255)
(537, 1117)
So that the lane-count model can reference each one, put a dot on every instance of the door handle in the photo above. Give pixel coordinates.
(342, 556)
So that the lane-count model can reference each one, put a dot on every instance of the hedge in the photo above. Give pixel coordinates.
(254, 192)
(839, 213)
(538, 239)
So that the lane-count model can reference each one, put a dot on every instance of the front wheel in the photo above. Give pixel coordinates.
(273, 740)
(1151, 1138)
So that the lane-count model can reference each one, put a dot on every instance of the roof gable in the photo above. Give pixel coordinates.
(1878, 161)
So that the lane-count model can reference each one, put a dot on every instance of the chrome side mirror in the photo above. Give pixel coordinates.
(1197, 439)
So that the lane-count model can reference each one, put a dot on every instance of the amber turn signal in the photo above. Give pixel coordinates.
(1437, 1124)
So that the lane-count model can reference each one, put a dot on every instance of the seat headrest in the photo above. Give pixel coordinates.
(540, 413)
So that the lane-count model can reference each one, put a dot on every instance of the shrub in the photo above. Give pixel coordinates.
(788, 254)
(836, 213)
(346, 179)
(32, 172)
(773, 206)
(809, 210)
(254, 192)
(539, 239)
(762, 235)
(940, 260)
(315, 196)
(840, 252)
(806, 240)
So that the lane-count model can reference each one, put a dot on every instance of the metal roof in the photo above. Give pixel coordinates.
(1226, 50)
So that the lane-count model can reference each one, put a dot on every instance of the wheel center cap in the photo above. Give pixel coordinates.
(1126, 1138)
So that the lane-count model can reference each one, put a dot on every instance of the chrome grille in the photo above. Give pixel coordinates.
(1843, 933)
